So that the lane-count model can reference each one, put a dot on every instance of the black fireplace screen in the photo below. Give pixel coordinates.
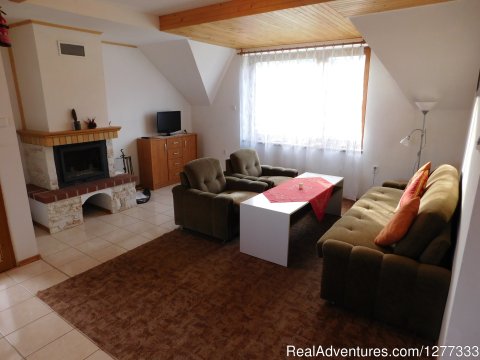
(77, 163)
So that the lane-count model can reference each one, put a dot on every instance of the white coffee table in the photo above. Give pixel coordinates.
(265, 226)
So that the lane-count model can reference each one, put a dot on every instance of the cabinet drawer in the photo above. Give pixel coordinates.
(174, 143)
(175, 163)
(175, 153)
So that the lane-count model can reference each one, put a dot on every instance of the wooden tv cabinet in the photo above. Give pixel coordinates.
(161, 158)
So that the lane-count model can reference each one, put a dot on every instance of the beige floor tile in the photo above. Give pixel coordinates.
(47, 245)
(22, 314)
(164, 199)
(97, 228)
(155, 207)
(139, 227)
(63, 257)
(40, 231)
(155, 232)
(108, 253)
(44, 281)
(92, 246)
(158, 219)
(137, 212)
(170, 225)
(28, 271)
(133, 242)
(99, 355)
(118, 235)
(13, 295)
(71, 346)
(169, 213)
(6, 281)
(72, 237)
(78, 266)
(118, 219)
(8, 352)
(39, 333)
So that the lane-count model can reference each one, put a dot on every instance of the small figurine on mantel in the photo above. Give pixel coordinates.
(77, 125)
(91, 124)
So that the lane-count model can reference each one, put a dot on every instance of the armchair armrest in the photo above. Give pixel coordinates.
(268, 170)
(396, 184)
(244, 184)
(205, 212)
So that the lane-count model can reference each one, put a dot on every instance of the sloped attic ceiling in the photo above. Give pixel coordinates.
(195, 69)
(433, 52)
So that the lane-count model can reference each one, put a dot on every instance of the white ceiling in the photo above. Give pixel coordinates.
(433, 52)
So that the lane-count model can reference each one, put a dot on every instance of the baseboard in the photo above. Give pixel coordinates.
(29, 260)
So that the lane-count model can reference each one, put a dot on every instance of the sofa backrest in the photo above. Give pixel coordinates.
(437, 207)
(246, 162)
(205, 174)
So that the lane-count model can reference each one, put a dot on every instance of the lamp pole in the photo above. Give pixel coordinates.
(422, 135)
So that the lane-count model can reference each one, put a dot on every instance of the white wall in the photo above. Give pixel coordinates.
(12, 180)
(390, 117)
(136, 90)
(66, 82)
(461, 319)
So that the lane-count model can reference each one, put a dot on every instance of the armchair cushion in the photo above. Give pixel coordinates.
(205, 174)
(246, 162)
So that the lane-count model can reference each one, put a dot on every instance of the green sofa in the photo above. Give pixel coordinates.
(405, 285)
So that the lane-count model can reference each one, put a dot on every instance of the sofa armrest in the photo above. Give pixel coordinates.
(389, 287)
(396, 184)
(268, 170)
(244, 184)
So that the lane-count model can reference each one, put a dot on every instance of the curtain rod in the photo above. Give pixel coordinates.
(305, 46)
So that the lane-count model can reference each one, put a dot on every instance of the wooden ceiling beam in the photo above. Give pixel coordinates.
(228, 10)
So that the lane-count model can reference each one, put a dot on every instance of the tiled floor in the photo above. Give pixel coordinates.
(29, 329)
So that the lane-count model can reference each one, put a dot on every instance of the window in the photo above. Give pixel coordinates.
(310, 97)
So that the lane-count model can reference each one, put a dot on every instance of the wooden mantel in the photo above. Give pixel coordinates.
(45, 138)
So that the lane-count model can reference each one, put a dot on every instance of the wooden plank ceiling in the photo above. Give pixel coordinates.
(248, 24)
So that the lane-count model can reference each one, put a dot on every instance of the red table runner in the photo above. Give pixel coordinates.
(315, 190)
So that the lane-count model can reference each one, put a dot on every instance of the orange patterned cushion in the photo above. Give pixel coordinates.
(415, 187)
(399, 224)
(425, 167)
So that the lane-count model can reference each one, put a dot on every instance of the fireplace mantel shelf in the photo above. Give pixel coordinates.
(45, 138)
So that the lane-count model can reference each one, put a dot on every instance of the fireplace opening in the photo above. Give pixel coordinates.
(77, 163)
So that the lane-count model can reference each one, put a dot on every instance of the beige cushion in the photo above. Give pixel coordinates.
(437, 207)
(368, 216)
(276, 180)
(238, 196)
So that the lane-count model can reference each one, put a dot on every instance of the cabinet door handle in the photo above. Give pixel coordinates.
(177, 164)
(185, 143)
(176, 142)
(176, 153)
(165, 145)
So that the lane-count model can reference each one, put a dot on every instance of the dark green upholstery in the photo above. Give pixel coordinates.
(208, 202)
(407, 284)
(244, 163)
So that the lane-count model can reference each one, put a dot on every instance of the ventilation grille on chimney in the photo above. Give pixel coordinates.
(71, 49)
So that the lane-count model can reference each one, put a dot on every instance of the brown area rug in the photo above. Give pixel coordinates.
(184, 296)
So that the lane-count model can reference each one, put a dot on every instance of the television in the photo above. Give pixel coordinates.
(168, 122)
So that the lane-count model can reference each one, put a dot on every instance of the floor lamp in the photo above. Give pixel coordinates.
(425, 107)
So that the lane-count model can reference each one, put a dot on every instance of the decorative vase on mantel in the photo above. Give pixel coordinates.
(77, 125)
(91, 124)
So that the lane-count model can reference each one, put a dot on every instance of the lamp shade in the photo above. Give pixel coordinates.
(405, 141)
(425, 105)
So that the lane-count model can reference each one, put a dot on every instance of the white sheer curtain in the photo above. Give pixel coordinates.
(303, 108)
